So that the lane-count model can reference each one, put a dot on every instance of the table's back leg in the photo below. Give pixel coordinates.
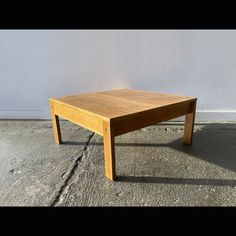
(189, 125)
(109, 151)
(56, 126)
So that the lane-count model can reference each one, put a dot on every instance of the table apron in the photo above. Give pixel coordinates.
(79, 117)
(146, 118)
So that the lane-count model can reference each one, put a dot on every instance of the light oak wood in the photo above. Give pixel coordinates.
(119, 103)
(109, 150)
(189, 125)
(154, 116)
(115, 112)
(56, 126)
(78, 116)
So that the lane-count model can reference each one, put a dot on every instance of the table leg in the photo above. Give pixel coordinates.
(56, 127)
(109, 150)
(189, 125)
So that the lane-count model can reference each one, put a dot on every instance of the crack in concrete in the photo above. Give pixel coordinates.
(72, 172)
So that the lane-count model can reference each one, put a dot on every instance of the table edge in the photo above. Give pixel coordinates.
(193, 99)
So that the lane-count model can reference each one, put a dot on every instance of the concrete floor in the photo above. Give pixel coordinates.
(153, 166)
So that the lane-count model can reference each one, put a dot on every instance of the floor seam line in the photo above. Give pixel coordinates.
(72, 171)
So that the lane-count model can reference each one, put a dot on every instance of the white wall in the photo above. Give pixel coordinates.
(37, 64)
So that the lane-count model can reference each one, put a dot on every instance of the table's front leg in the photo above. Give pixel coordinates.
(189, 124)
(109, 150)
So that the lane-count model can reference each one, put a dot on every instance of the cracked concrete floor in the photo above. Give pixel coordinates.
(154, 168)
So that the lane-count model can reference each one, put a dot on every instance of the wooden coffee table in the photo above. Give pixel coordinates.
(115, 112)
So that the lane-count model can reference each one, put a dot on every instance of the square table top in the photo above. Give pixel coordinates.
(117, 103)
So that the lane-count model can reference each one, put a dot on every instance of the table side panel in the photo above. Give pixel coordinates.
(79, 117)
(143, 119)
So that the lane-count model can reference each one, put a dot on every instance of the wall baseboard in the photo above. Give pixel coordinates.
(216, 116)
(25, 114)
(201, 116)
(213, 116)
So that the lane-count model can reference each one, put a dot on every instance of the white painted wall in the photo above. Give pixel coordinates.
(37, 64)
